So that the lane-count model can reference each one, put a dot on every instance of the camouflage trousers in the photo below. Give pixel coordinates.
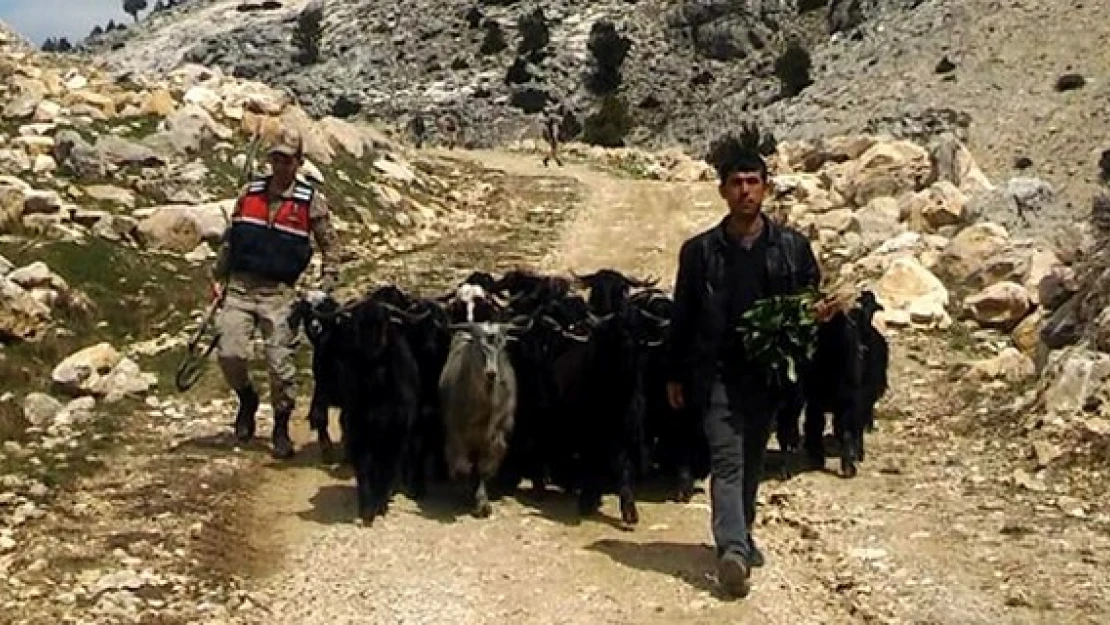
(263, 306)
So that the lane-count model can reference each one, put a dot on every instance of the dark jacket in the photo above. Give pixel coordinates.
(702, 294)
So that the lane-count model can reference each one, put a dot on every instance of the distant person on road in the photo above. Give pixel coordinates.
(418, 129)
(265, 250)
(722, 273)
(552, 125)
(450, 129)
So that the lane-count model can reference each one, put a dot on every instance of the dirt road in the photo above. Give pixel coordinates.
(930, 531)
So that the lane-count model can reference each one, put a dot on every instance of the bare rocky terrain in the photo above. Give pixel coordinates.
(983, 499)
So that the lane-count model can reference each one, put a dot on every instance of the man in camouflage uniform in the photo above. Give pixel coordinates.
(265, 250)
(552, 124)
(450, 129)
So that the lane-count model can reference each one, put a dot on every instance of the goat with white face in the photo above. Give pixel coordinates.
(478, 401)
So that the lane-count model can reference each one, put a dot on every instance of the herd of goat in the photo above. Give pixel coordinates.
(522, 378)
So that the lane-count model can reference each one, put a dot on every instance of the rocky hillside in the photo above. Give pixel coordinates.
(496, 62)
(1022, 82)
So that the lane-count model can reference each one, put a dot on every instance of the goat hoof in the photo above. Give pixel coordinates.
(483, 510)
(630, 515)
(848, 469)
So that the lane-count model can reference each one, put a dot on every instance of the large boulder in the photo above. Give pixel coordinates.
(39, 409)
(909, 288)
(936, 207)
(1000, 305)
(887, 170)
(970, 249)
(188, 130)
(12, 199)
(952, 162)
(1042, 263)
(22, 316)
(182, 228)
(879, 222)
(1010, 365)
(78, 373)
(1074, 377)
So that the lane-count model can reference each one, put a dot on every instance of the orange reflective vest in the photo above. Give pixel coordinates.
(274, 246)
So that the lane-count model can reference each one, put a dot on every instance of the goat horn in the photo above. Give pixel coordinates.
(407, 316)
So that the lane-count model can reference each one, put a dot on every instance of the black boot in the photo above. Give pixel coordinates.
(244, 419)
(755, 557)
(283, 445)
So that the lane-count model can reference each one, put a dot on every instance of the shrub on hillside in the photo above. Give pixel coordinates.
(534, 33)
(609, 49)
(309, 32)
(792, 69)
(609, 125)
(133, 7)
(494, 41)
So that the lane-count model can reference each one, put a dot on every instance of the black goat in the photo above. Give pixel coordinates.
(380, 382)
(847, 377)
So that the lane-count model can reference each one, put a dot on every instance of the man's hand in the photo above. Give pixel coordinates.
(824, 310)
(675, 396)
(217, 290)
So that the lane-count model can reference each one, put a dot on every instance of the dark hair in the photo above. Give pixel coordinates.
(731, 154)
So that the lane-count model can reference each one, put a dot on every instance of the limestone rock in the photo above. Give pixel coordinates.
(951, 161)
(44, 164)
(47, 111)
(1073, 376)
(1042, 263)
(109, 193)
(999, 305)
(970, 249)
(124, 379)
(907, 286)
(39, 409)
(160, 102)
(1026, 334)
(182, 228)
(936, 207)
(12, 199)
(22, 316)
(37, 275)
(78, 373)
(1010, 365)
(840, 221)
(887, 170)
(879, 221)
(1056, 287)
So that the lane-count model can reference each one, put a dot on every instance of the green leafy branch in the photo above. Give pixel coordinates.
(779, 334)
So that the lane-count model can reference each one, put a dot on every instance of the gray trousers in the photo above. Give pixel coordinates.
(738, 427)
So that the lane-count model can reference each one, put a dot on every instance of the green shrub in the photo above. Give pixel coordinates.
(610, 124)
(792, 69)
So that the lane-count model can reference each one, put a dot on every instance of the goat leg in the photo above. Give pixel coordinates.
(629, 514)
(482, 508)
(814, 436)
(318, 420)
(364, 478)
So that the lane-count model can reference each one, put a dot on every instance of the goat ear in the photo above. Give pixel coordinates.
(587, 279)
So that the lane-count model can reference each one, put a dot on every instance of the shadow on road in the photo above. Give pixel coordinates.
(690, 563)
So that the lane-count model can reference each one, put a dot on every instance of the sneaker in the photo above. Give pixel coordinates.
(733, 572)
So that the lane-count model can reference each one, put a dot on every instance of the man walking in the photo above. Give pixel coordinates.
(266, 249)
(722, 273)
(552, 122)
